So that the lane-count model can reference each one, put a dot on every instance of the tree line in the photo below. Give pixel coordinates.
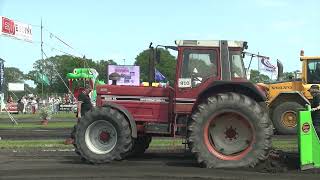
(52, 67)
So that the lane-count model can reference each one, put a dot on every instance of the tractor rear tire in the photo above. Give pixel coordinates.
(230, 130)
(102, 135)
(140, 145)
(284, 117)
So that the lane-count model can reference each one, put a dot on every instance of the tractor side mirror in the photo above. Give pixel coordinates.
(158, 55)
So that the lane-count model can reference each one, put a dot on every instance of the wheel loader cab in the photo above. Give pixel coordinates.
(310, 73)
(313, 71)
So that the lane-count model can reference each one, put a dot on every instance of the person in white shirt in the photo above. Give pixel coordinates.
(24, 101)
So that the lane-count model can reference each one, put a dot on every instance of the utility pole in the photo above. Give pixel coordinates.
(258, 62)
(124, 62)
(42, 60)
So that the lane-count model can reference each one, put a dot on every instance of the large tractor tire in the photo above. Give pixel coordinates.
(102, 135)
(285, 117)
(140, 145)
(230, 130)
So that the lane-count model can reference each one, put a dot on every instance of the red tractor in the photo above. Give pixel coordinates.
(222, 116)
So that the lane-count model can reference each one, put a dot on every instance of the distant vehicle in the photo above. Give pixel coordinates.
(12, 108)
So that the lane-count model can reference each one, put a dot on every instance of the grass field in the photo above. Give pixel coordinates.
(169, 144)
(5, 117)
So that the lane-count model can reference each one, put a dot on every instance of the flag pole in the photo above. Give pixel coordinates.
(258, 63)
(42, 60)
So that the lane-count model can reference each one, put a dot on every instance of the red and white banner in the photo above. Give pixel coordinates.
(16, 29)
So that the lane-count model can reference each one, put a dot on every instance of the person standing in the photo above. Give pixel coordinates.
(56, 104)
(10, 99)
(24, 102)
(86, 104)
(33, 105)
(315, 92)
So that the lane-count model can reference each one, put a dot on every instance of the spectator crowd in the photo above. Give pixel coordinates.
(32, 103)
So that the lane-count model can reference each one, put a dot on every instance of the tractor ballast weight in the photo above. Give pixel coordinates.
(309, 143)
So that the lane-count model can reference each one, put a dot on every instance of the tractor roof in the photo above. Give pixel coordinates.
(208, 43)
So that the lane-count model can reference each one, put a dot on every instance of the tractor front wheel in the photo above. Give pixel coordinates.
(230, 130)
(284, 117)
(102, 135)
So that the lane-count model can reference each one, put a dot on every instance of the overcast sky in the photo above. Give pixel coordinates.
(121, 29)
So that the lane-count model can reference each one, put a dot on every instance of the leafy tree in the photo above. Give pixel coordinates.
(256, 77)
(56, 68)
(13, 74)
(101, 67)
(167, 65)
(288, 76)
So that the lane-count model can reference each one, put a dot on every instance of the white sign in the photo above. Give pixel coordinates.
(184, 82)
(16, 86)
(16, 29)
(130, 75)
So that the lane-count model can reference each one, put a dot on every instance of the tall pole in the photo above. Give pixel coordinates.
(258, 62)
(42, 60)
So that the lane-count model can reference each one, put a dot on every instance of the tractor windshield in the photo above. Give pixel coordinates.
(237, 65)
(313, 71)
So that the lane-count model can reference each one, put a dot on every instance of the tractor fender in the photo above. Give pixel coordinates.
(294, 96)
(127, 115)
(242, 87)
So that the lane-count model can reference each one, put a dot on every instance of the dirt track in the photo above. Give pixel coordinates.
(160, 165)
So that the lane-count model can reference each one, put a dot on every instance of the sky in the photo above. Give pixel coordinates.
(122, 29)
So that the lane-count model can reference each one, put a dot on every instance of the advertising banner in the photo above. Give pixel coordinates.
(16, 86)
(130, 75)
(1, 74)
(16, 29)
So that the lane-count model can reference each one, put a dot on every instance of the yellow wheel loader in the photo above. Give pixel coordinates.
(284, 98)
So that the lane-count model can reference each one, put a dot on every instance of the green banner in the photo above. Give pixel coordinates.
(42, 78)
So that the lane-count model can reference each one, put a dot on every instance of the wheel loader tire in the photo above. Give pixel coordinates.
(102, 135)
(228, 131)
(285, 117)
(140, 145)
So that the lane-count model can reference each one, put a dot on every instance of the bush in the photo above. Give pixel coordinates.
(45, 113)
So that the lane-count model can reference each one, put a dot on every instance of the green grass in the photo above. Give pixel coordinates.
(169, 144)
(5, 117)
(166, 143)
(39, 144)
(286, 145)
(37, 125)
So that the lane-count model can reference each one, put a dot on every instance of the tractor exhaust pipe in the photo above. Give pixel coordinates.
(151, 64)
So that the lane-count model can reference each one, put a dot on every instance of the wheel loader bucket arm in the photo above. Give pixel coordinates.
(309, 144)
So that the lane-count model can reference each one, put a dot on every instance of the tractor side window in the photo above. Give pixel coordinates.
(313, 72)
(199, 65)
(237, 66)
